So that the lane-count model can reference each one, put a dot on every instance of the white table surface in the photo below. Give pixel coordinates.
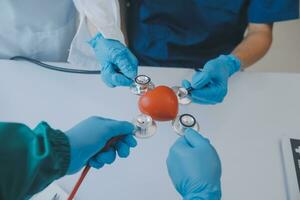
(246, 129)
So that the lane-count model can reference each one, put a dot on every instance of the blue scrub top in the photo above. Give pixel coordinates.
(188, 33)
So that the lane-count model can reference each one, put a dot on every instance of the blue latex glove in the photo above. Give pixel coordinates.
(118, 64)
(210, 85)
(195, 168)
(91, 135)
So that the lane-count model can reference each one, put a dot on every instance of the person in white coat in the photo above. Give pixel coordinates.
(56, 30)
(40, 29)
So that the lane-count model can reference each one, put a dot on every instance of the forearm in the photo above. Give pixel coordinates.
(93, 29)
(255, 45)
(101, 16)
(30, 159)
(123, 13)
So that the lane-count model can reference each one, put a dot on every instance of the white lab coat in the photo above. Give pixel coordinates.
(105, 16)
(40, 29)
(47, 29)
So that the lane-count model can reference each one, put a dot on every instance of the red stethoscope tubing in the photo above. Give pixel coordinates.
(87, 168)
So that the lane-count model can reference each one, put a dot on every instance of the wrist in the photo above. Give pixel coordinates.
(209, 193)
(235, 64)
(208, 196)
(59, 149)
(95, 39)
(75, 152)
(61, 146)
(193, 197)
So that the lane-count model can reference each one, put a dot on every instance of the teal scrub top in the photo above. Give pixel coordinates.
(30, 159)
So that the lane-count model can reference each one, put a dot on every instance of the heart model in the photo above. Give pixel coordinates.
(161, 104)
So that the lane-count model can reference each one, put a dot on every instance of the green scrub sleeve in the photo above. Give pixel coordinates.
(30, 159)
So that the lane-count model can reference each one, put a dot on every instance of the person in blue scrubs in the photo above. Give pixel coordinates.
(207, 35)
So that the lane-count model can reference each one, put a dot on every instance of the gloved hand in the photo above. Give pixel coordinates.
(91, 135)
(118, 64)
(195, 168)
(210, 85)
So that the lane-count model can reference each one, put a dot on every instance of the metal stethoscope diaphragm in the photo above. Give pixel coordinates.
(183, 122)
(141, 85)
(145, 126)
(182, 95)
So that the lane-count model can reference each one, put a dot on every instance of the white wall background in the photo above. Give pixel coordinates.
(284, 55)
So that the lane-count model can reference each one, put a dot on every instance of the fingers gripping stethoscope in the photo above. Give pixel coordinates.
(145, 126)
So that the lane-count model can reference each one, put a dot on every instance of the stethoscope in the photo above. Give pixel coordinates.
(141, 85)
(145, 126)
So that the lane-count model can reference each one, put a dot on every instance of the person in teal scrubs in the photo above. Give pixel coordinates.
(32, 159)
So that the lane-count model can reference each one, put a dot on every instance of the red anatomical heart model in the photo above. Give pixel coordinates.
(160, 103)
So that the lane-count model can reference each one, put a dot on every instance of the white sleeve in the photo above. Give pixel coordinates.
(105, 16)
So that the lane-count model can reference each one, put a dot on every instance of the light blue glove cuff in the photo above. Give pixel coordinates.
(209, 193)
(93, 41)
(235, 64)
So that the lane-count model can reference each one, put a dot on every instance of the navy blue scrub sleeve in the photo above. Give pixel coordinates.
(269, 11)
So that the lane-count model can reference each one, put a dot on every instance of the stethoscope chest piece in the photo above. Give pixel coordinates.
(145, 126)
(182, 95)
(183, 122)
(141, 85)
